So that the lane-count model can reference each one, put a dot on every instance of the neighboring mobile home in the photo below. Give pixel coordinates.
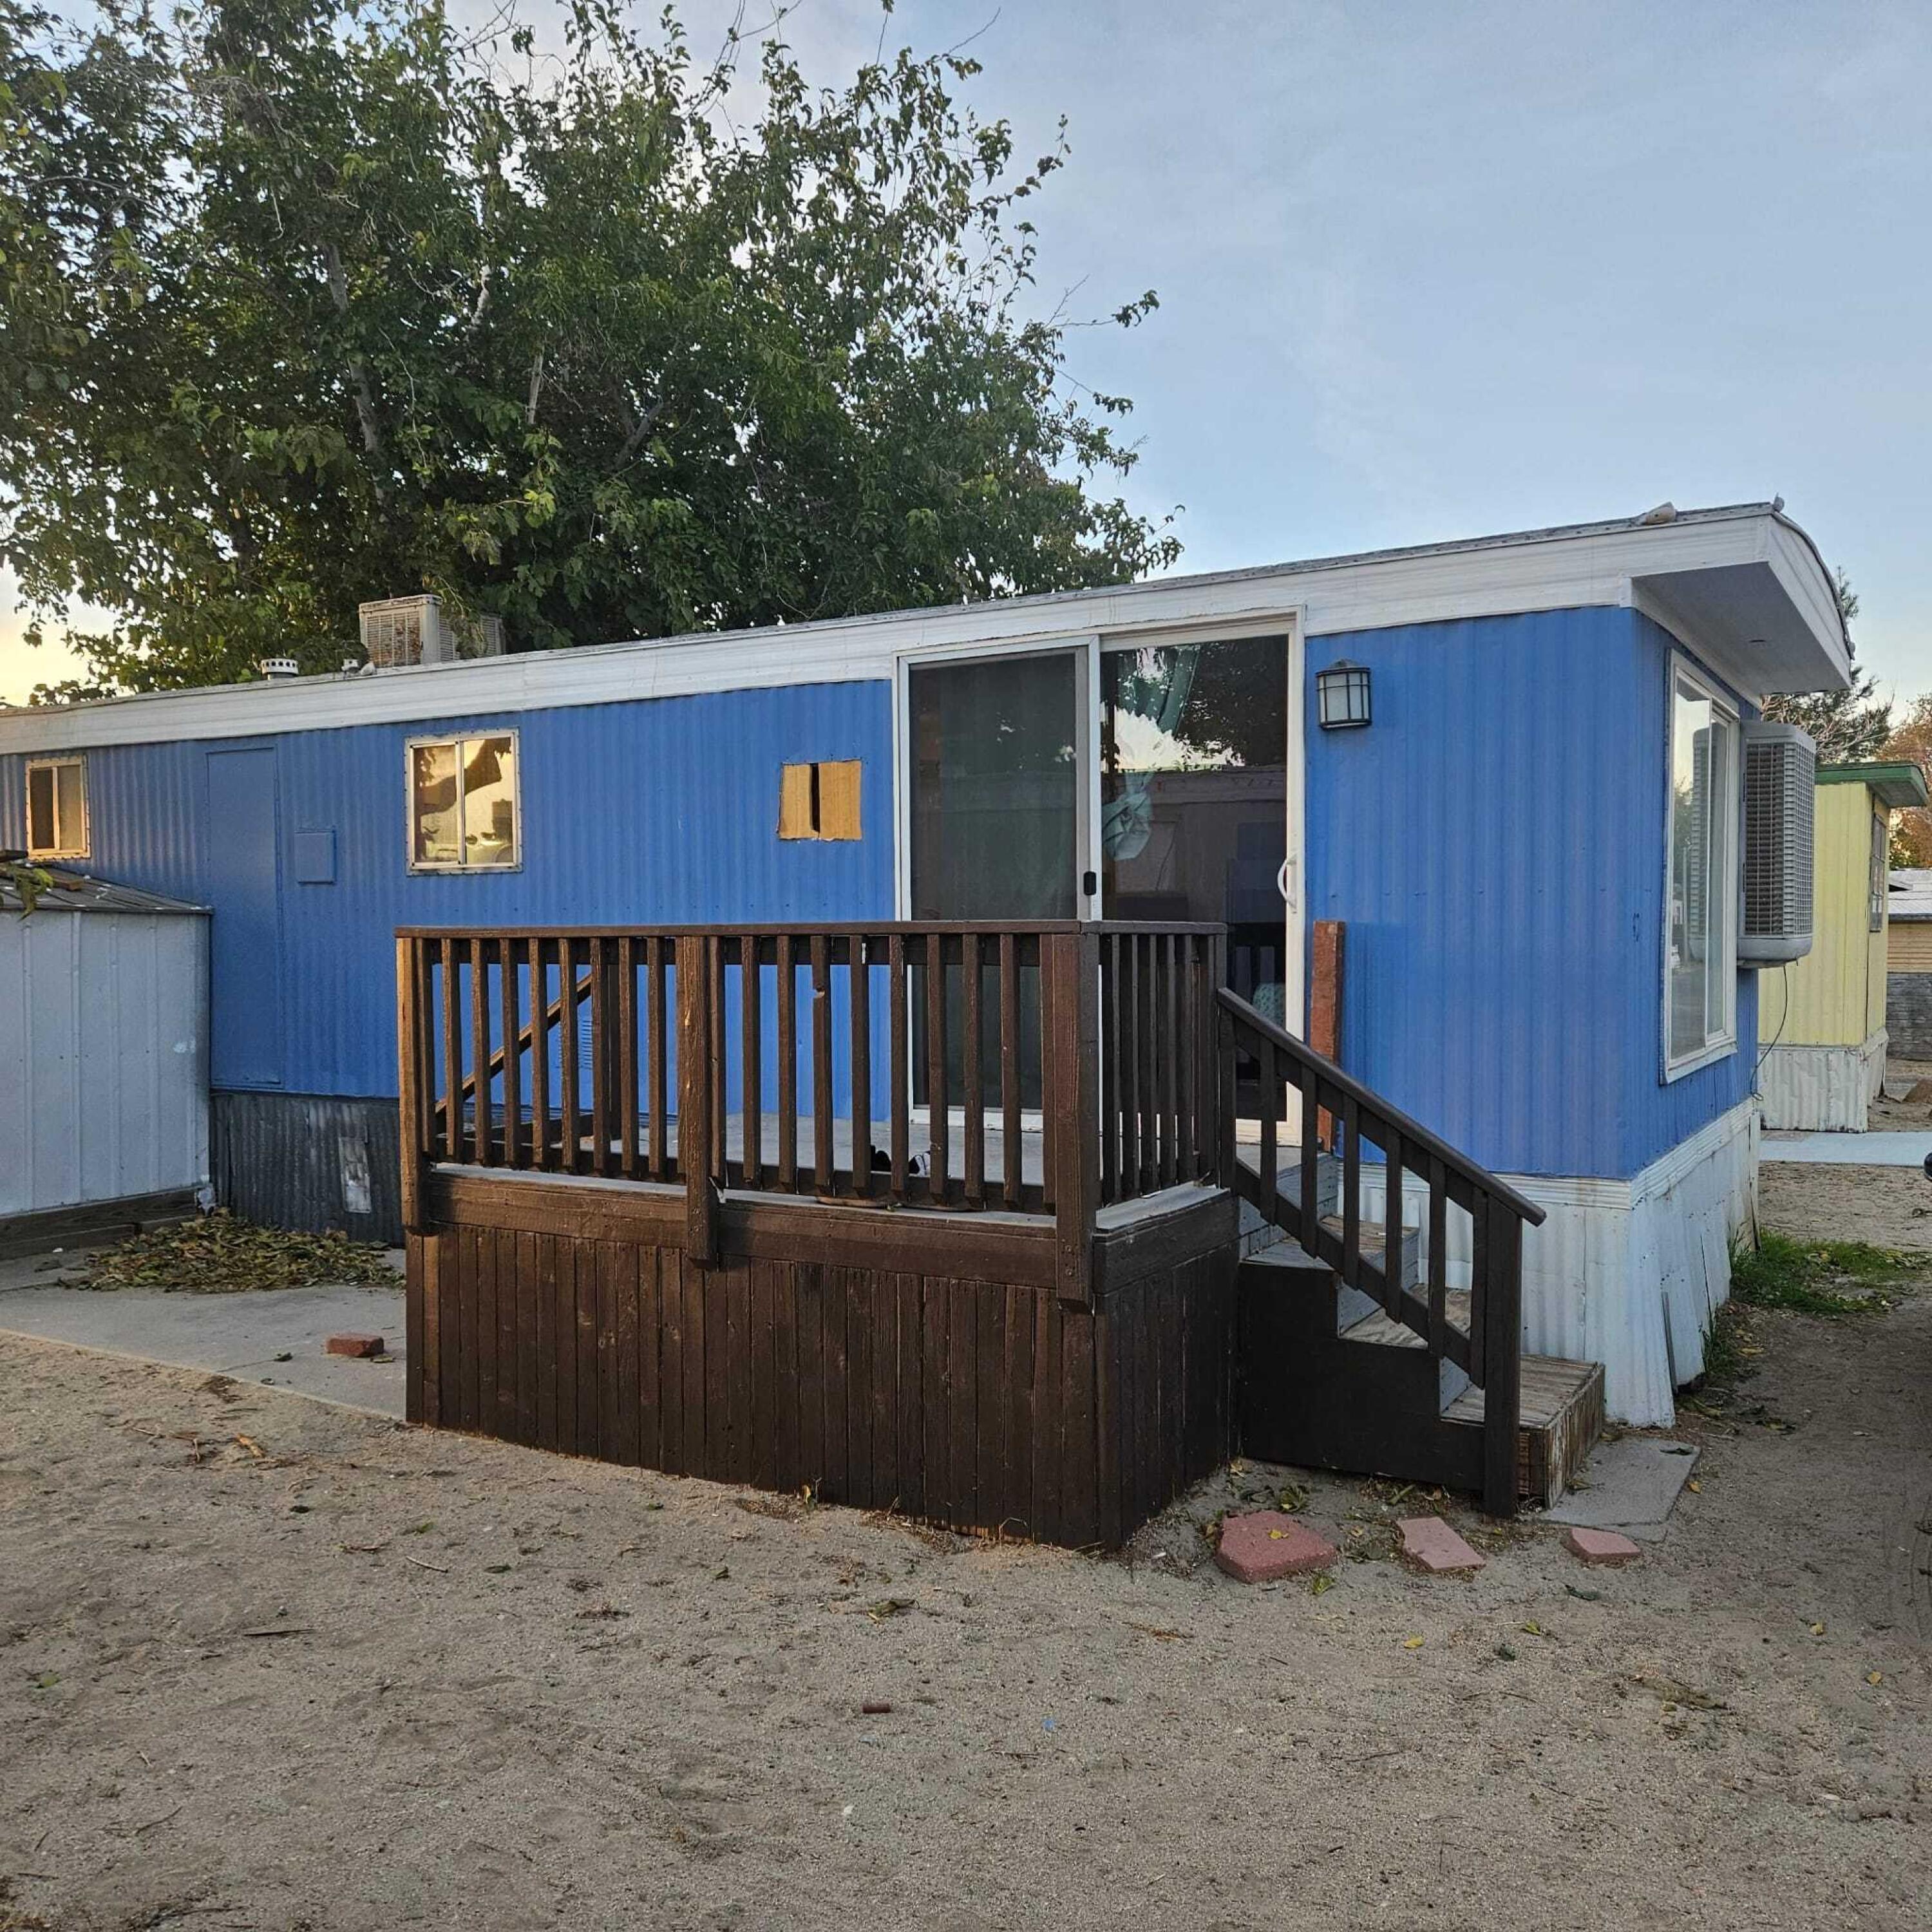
(1823, 1018)
(1511, 767)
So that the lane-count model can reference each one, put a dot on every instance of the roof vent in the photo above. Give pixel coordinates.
(276, 670)
(400, 631)
(1780, 768)
(1664, 513)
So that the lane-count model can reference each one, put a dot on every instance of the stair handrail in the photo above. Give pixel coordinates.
(1490, 1354)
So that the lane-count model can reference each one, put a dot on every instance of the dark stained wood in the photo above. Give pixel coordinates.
(1075, 1121)
(409, 1082)
(509, 973)
(899, 1068)
(450, 1146)
(974, 1127)
(417, 1247)
(1013, 1169)
(540, 1135)
(764, 1463)
(694, 1091)
(859, 996)
(568, 1098)
(938, 1098)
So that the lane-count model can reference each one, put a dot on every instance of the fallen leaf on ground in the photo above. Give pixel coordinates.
(888, 1607)
(1411, 1643)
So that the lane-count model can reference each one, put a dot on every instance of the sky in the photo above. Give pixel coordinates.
(1428, 272)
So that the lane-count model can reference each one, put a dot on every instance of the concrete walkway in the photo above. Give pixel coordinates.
(1849, 1150)
(239, 1335)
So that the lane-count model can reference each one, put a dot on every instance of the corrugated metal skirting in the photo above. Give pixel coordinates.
(311, 1161)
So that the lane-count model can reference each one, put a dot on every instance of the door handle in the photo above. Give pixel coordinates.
(1281, 883)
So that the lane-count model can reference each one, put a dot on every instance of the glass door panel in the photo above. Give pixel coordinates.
(996, 771)
(1194, 801)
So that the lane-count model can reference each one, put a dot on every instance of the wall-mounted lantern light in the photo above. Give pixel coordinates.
(1342, 695)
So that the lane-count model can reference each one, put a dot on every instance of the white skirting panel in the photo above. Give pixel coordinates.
(1627, 1272)
(1822, 1088)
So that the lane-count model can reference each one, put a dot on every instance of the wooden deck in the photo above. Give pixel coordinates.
(940, 1218)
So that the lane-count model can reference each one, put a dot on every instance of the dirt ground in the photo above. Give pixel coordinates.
(1889, 1206)
(265, 1664)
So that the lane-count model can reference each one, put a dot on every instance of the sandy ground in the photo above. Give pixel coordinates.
(267, 1663)
(1889, 1206)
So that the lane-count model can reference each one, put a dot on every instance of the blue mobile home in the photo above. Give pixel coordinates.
(1534, 840)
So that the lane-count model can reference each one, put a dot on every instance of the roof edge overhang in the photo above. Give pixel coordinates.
(1893, 781)
(1739, 583)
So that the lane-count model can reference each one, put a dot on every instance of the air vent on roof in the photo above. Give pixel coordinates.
(399, 630)
(1781, 772)
(275, 669)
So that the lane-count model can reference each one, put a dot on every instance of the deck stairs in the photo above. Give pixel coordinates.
(1328, 1378)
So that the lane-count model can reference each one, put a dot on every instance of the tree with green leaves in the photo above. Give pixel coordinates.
(305, 302)
(1847, 726)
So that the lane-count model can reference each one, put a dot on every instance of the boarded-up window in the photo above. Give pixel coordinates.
(464, 807)
(57, 809)
(820, 801)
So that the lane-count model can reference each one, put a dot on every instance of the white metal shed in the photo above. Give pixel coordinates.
(103, 1054)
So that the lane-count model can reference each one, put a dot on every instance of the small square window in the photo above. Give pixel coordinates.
(464, 813)
(1881, 845)
(57, 809)
(820, 801)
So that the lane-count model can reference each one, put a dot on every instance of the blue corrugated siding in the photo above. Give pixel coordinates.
(658, 812)
(1495, 841)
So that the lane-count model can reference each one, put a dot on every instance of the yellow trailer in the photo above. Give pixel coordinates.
(1822, 1019)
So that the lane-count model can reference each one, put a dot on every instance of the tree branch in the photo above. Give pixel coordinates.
(358, 372)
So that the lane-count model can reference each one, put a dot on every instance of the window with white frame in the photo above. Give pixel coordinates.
(463, 809)
(1880, 876)
(57, 809)
(1701, 943)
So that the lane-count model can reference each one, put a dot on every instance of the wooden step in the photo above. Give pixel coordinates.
(1560, 1413)
(1383, 1329)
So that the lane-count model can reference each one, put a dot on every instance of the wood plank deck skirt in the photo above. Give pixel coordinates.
(916, 1361)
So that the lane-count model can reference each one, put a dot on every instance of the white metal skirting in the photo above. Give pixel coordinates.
(1823, 1089)
(1629, 1273)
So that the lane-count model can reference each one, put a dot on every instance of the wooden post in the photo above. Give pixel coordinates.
(1075, 1048)
(409, 1085)
(1501, 1293)
(1223, 1099)
(1324, 1003)
(695, 1022)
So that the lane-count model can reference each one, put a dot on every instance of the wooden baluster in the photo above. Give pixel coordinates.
(1351, 1195)
(481, 1149)
(452, 1058)
(1171, 1052)
(696, 1088)
(1049, 1092)
(627, 1055)
(1147, 1059)
(1502, 1358)
(600, 1059)
(752, 1105)
(657, 1073)
(936, 1094)
(824, 1174)
(1309, 1088)
(859, 990)
(511, 1019)
(1269, 1067)
(1126, 1022)
(1479, 1261)
(408, 1079)
(1180, 1056)
(1011, 1142)
(539, 1058)
(788, 1052)
(568, 1097)
(1392, 1221)
(1214, 1107)
(1113, 1107)
(1073, 959)
(1439, 1257)
(898, 1071)
(971, 1048)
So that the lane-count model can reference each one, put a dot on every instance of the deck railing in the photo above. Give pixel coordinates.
(1335, 1108)
(1051, 1069)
